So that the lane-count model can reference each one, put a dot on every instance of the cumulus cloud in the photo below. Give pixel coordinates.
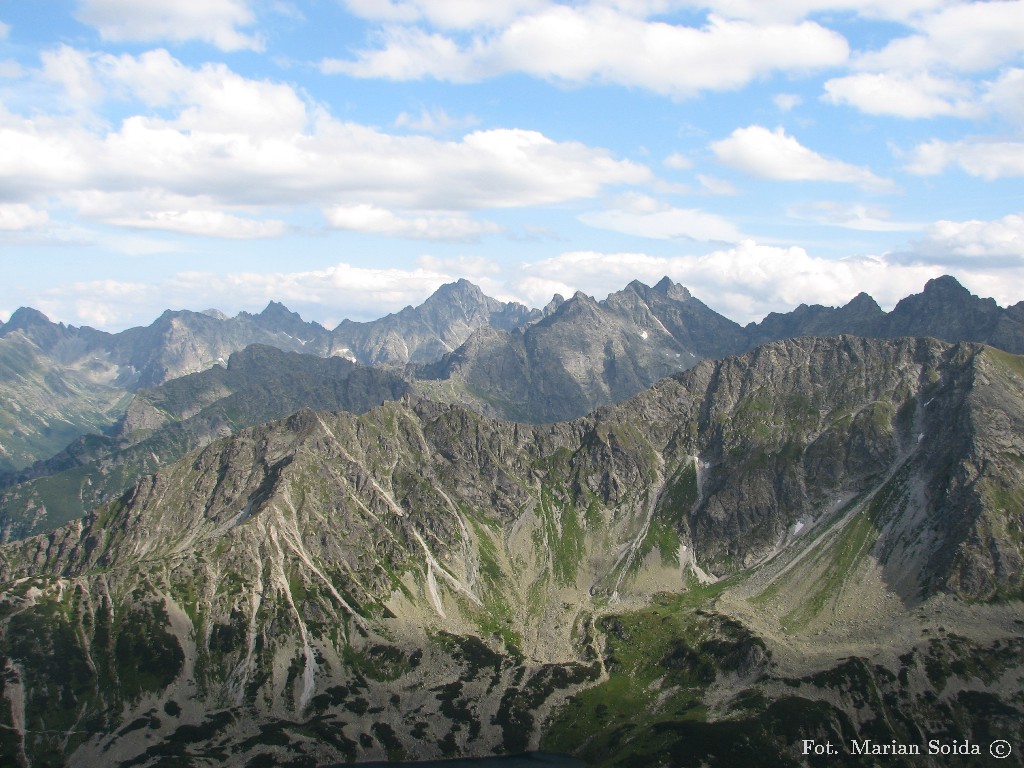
(678, 161)
(787, 101)
(212, 21)
(996, 243)
(776, 155)
(206, 223)
(325, 295)
(645, 217)
(916, 95)
(855, 216)
(15, 217)
(715, 186)
(793, 10)
(451, 14)
(371, 218)
(1005, 96)
(964, 37)
(986, 158)
(73, 73)
(749, 280)
(434, 120)
(216, 141)
(934, 71)
(597, 43)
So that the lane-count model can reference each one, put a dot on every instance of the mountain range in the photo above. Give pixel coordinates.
(527, 365)
(737, 543)
(509, 361)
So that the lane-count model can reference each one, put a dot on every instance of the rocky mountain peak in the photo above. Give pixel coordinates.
(36, 327)
(578, 304)
(863, 302)
(24, 319)
(945, 285)
(552, 306)
(276, 310)
(672, 290)
(945, 310)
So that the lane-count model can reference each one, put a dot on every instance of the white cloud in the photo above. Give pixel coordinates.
(326, 295)
(645, 217)
(71, 70)
(787, 101)
(213, 21)
(15, 217)
(370, 218)
(776, 155)
(434, 120)
(855, 216)
(210, 98)
(1000, 239)
(221, 142)
(452, 14)
(749, 280)
(964, 37)
(596, 43)
(916, 95)
(154, 209)
(206, 223)
(1006, 96)
(5, 29)
(715, 186)
(678, 161)
(933, 71)
(793, 10)
(988, 159)
(10, 69)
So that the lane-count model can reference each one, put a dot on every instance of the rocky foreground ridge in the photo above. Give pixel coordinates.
(822, 538)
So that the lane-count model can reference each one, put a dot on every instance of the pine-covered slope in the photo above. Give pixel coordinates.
(741, 557)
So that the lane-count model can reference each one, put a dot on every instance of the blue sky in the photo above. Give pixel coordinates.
(347, 157)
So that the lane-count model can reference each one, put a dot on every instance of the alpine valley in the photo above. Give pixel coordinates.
(630, 531)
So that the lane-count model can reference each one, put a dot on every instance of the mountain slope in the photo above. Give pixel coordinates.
(46, 405)
(163, 423)
(421, 581)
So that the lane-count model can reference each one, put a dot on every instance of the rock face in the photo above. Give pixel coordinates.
(583, 354)
(743, 556)
(425, 333)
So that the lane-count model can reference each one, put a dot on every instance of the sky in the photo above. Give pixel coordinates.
(347, 157)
